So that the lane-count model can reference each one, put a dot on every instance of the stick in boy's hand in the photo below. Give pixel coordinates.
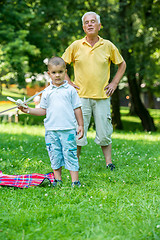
(18, 102)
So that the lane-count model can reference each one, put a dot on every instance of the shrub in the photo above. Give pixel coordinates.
(30, 119)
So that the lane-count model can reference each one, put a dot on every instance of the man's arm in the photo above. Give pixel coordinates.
(79, 118)
(111, 87)
(70, 82)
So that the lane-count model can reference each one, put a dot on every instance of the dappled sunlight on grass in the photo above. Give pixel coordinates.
(13, 92)
(153, 137)
(17, 129)
(133, 123)
(146, 136)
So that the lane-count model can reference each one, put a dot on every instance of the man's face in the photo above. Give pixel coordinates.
(91, 25)
(57, 74)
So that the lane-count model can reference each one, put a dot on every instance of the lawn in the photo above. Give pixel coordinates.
(13, 92)
(119, 205)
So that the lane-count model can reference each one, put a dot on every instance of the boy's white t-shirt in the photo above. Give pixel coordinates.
(60, 103)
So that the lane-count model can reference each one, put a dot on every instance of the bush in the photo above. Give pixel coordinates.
(30, 119)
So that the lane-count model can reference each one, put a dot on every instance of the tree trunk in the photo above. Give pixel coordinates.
(126, 31)
(116, 117)
(141, 111)
(132, 111)
(150, 99)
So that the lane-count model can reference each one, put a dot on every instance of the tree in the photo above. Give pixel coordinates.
(14, 18)
(30, 32)
(128, 35)
(147, 54)
(108, 12)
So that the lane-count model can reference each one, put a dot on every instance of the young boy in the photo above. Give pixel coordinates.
(62, 107)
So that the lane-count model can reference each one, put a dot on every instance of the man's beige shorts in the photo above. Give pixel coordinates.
(102, 118)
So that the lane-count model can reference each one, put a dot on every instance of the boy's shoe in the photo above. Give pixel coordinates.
(111, 166)
(76, 184)
(56, 183)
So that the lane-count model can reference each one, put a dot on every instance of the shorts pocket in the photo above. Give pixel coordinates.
(73, 152)
(49, 149)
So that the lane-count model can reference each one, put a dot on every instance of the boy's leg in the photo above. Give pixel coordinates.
(75, 180)
(57, 176)
(87, 113)
(54, 149)
(74, 176)
(78, 151)
(68, 141)
(57, 173)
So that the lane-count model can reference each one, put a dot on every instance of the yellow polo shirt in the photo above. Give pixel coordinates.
(92, 65)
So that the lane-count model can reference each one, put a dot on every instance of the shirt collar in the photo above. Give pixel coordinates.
(100, 41)
(65, 85)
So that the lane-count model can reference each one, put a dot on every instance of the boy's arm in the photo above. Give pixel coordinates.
(34, 111)
(79, 118)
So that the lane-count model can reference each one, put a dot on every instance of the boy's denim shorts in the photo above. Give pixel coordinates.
(62, 149)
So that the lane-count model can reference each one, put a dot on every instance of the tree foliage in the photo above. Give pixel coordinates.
(31, 31)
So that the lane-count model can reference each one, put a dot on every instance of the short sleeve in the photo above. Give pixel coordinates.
(68, 54)
(76, 102)
(43, 102)
(115, 55)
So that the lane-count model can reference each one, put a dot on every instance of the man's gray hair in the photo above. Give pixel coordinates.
(89, 13)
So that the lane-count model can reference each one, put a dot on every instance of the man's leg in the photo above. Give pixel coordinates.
(107, 153)
(87, 113)
(78, 151)
(104, 128)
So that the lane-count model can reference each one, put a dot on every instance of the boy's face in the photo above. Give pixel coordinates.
(57, 74)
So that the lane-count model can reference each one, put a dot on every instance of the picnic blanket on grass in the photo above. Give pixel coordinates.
(27, 180)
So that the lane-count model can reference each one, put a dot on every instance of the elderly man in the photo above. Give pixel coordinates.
(92, 57)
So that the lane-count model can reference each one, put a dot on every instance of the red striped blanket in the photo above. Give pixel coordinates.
(25, 181)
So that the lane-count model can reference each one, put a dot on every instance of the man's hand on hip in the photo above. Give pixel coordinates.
(111, 87)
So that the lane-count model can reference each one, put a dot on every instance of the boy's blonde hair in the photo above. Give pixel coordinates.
(56, 61)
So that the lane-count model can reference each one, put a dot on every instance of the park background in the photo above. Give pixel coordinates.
(123, 204)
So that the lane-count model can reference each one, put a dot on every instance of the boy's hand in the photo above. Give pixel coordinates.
(24, 109)
(80, 132)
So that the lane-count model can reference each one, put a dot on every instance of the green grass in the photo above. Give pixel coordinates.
(133, 123)
(119, 205)
(13, 92)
